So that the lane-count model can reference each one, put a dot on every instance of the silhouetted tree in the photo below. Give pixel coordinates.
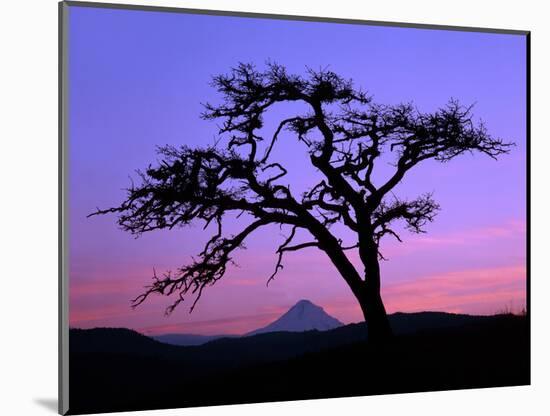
(345, 134)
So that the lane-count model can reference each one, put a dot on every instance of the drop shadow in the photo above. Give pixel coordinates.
(49, 404)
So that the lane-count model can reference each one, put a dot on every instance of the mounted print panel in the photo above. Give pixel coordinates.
(267, 208)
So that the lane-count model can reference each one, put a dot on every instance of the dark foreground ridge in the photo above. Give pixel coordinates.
(122, 370)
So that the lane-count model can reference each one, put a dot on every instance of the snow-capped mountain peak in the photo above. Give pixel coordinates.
(303, 316)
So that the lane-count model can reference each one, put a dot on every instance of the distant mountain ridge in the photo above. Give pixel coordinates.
(188, 339)
(303, 316)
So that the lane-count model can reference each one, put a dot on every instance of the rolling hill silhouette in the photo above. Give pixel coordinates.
(432, 351)
(255, 348)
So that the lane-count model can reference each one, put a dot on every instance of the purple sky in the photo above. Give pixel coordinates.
(137, 79)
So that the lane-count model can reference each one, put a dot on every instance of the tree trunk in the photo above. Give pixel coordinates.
(366, 291)
(378, 324)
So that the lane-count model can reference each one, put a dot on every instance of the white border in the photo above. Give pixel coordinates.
(28, 210)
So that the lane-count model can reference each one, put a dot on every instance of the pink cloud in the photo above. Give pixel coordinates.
(512, 228)
(81, 288)
(475, 291)
(80, 317)
(233, 325)
(243, 282)
(467, 271)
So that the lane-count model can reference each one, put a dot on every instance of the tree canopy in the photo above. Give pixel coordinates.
(345, 134)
